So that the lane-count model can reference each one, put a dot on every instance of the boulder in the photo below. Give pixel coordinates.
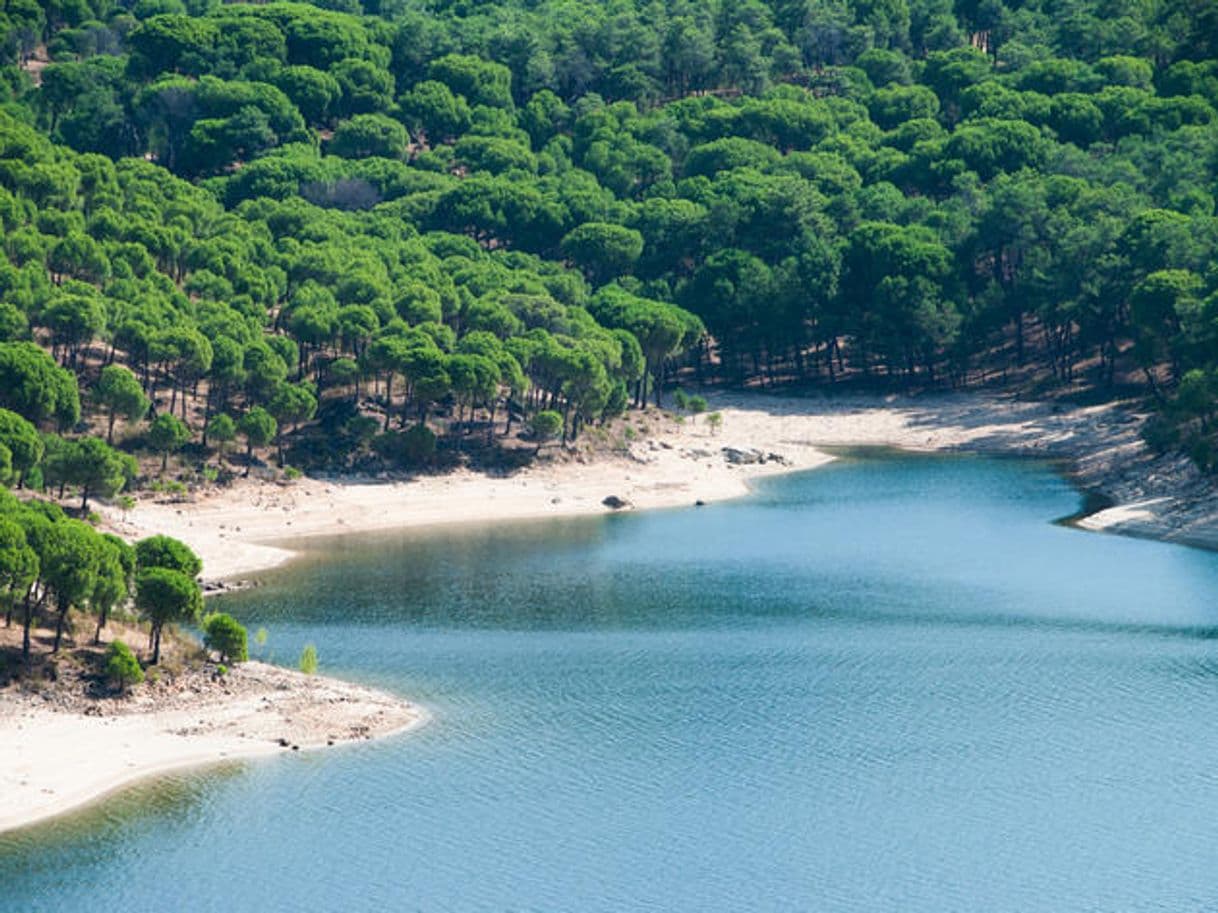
(744, 456)
(613, 502)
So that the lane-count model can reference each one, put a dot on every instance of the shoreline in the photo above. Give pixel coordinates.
(242, 530)
(235, 530)
(55, 761)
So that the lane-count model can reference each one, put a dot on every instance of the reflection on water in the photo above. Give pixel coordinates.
(891, 684)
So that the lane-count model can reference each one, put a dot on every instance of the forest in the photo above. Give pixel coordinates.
(361, 237)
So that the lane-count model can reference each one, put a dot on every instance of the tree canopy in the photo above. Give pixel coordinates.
(307, 216)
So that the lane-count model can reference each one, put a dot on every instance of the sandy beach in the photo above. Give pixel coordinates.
(241, 530)
(53, 760)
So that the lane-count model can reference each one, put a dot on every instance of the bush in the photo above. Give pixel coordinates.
(416, 446)
(225, 635)
(308, 660)
(122, 668)
(1201, 451)
(1160, 434)
(546, 425)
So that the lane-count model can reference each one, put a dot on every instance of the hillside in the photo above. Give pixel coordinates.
(409, 236)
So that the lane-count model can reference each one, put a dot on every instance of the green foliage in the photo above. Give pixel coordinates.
(69, 556)
(92, 465)
(370, 135)
(282, 212)
(603, 250)
(122, 668)
(19, 564)
(258, 427)
(119, 392)
(415, 447)
(36, 388)
(222, 429)
(22, 442)
(546, 425)
(165, 596)
(167, 434)
(226, 636)
(168, 553)
(308, 660)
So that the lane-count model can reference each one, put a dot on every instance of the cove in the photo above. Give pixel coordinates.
(892, 683)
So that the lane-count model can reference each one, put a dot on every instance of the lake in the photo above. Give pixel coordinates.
(890, 684)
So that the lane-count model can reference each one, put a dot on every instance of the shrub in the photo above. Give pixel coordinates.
(122, 668)
(226, 635)
(418, 444)
(546, 425)
(1160, 434)
(1201, 452)
(308, 660)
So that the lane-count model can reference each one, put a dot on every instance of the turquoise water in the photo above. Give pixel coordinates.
(888, 685)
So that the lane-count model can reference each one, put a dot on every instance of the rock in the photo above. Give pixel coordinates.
(745, 456)
(699, 503)
(775, 458)
(613, 502)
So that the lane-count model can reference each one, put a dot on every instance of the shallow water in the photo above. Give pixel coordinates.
(889, 684)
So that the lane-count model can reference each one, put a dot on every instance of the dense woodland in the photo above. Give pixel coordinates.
(348, 237)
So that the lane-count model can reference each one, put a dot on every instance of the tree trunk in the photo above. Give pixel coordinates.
(101, 623)
(156, 645)
(110, 429)
(27, 622)
(63, 606)
(206, 414)
(388, 400)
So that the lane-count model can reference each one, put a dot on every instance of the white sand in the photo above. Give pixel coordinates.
(52, 761)
(233, 529)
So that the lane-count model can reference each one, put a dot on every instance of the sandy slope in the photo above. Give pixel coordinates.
(53, 760)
